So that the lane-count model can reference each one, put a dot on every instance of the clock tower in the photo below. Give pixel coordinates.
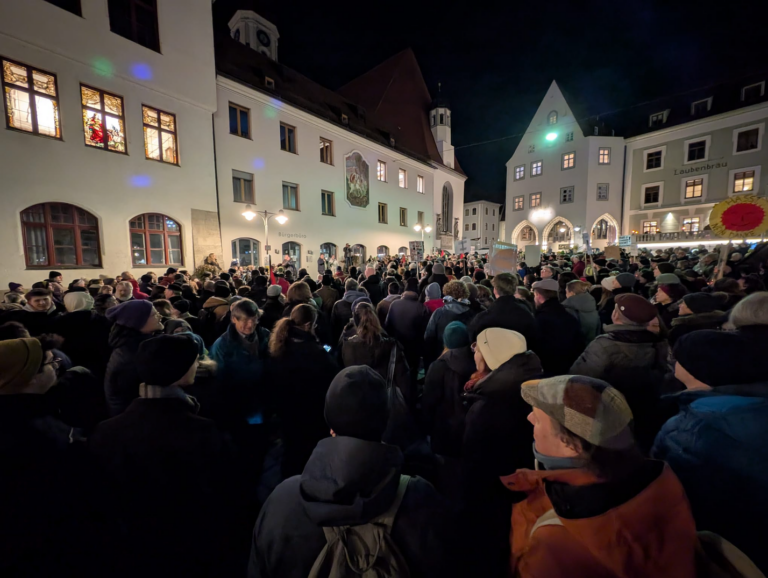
(440, 123)
(256, 32)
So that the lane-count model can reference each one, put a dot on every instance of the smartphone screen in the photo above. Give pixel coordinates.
(327, 348)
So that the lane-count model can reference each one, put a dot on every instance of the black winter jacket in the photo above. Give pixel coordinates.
(86, 339)
(407, 320)
(271, 313)
(373, 285)
(121, 381)
(507, 312)
(560, 337)
(342, 313)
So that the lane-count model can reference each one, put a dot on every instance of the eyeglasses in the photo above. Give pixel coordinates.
(54, 361)
(474, 347)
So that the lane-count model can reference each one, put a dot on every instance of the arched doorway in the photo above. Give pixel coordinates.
(382, 251)
(605, 231)
(294, 250)
(446, 210)
(358, 255)
(402, 251)
(525, 233)
(559, 234)
(328, 250)
(246, 251)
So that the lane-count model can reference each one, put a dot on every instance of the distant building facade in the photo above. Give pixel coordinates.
(481, 224)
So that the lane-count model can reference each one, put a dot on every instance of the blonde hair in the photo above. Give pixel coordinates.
(368, 325)
(577, 287)
(299, 292)
(300, 315)
(456, 289)
(163, 306)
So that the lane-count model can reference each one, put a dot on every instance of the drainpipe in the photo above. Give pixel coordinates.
(216, 177)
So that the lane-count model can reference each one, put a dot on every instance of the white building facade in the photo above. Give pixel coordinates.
(107, 144)
(564, 180)
(481, 224)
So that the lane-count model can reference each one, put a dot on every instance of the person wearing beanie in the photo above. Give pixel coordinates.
(588, 469)
(273, 308)
(668, 299)
(382, 309)
(433, 297)
(372, 284)
(696, 312)
(432, 274)
(560, 337)
(16, 288)
(342, 309)
(173, 470)
(632, 358)
(55, 283)
(134, 322)
(645, 281)
(621, 284)
(213, 311)
(714, 441)
(180, 308)
(495, 416)
(173, 290)
(579, 303)
(456, 308)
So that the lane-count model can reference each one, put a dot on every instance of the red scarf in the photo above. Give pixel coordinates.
(474, 378)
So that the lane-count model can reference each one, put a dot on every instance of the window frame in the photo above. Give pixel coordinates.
(326, 145)
(646, 152)
(420, 184)
(134, 22)
(664, 114)
(691, 218)
(520, 198)
(744, 89)
(520, 172)
(645, 186)
(572, 161)
(252, 197)
(540, 167)
(402, 178)
(298, 196)
(655, 227)
(474, 226)
(381, 170)
(708, 100)
(403, 217)
(552, 115)
(600, 151)
(4, 85)
(760, 131)
(48, 226)
(474, 211)
(569, 136)
(287, 127)
(686, 149)
(704, 185)
(534, 203)
(572, 188)
(146, 231)
(104, 113)
(323, 193)
(160, 132)
(755, 180)
(466, 227)
(239, 109)
(420, 217)
(383, 210)
(531, 148)
(607, 192)
(466, 212)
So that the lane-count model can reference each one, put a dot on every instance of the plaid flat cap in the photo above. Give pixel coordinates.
(588, 407)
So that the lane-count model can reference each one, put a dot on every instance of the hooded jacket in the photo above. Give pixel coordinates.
(121, 381)
(342, 312)
(452, 310)
(636, 528)
(348, 482)
(407, 320)
(584, 308)
(219, 306)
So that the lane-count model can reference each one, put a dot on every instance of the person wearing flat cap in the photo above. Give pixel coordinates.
(351, 479)
(173, 471)
(594, 506)
(560, 337)
(632, 359)
(716, 442)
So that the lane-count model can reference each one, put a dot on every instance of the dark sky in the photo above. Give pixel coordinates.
(495, 60)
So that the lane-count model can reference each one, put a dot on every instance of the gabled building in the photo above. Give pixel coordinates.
(481, 224)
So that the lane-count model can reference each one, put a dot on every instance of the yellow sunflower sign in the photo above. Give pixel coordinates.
(739, 217)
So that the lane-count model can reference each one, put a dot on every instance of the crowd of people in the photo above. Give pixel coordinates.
(581, 416)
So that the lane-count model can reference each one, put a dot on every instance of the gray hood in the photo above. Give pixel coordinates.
(352, 296)
(584, 303)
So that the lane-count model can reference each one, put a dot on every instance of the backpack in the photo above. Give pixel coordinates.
(364, 551)
(207, 317)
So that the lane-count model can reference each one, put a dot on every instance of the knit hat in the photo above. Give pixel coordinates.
(133, 314)
(691, 274)
(165, 359)
(647, 274)
(705, 302)
(498, 346)
(547, 285)
(600, 262)
(274, 291)
(78, 301)
(357, 404)
(54, 274)
(182, 306)
(433, 291)
(607, 282)
(585, 406)
(626, 280)
(279, 271)
(665, 267)
(635, 308)
(466, 279)
(175, 287)
(20, 360)
(225, 276)
(14, 286)
(221, 289)
(703, 354)
(667, 279)
(438, 269)
(412, 284)
(456, 335)
(171, 270)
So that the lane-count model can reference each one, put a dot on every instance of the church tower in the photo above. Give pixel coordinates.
(440, 123)
(256, 32)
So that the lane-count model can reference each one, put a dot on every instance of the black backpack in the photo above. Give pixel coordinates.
(207, 317)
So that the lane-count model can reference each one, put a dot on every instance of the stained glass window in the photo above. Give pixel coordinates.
(60, 234)
(103, 119)
(155, 240)
(159, 135)
(31, 103)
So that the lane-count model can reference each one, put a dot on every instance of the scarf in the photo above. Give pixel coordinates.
(476, 377)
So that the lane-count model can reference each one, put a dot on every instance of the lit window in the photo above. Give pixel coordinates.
(535, 200)
(651, 194)
(31, 102)
(650, 227)
(238, 121)
(291, 196)
(419, 184)
(382, 213)
(287, 138)
(552, 119)
(326, 151)
(748, 140)
(604, 156)
(602, 191)
(519, 203)
(744, 181)
(103, 120)
(691, 224)
(536, 168)
(159, 135)
(135, 20)
(57, 234)
(246, 251)
(653, 160)
(569, 137)
(381, 171)
(328, 205)
(527, 234)
(694, 188)
(402, 179)
(569, 160)
(697, 150)
(155, 240)
(403, 217)
(566, 195)
(519, 172)
(242, 187)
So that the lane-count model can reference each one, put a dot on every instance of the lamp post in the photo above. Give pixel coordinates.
(417, 227)
(280, 217)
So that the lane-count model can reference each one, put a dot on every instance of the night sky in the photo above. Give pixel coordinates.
(495, 64)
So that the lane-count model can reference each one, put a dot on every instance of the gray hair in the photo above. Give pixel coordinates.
(244, 308)
(351, 285)
(752, 310)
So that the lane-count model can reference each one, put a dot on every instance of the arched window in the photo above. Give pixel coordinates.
(382, 251)
(560, 233)
(155, 240)
(402, 251)
(552, 118)
(600, 230)
(294, 250)
(527, 234)
(447, 209)
(246, 251)
(358, 255)
(328, 250)
(60, 234)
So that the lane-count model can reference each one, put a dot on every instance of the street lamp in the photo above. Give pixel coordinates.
(417, 227)
(280, 217)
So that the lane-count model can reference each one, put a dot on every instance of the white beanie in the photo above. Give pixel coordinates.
(498, 346)
(78, 301)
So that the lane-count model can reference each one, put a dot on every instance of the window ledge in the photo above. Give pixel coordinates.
(66, 267)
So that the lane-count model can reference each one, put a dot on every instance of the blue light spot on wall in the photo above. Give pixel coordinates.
(142, 71)
(276, 103)
(141, 181)
(258, 163)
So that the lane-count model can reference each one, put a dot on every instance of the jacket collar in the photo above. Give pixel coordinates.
(631, 334)
(410, 296)
(699, 318)
(688, 396)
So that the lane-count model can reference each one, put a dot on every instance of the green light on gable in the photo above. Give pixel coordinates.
(103, 67)
(551, 136)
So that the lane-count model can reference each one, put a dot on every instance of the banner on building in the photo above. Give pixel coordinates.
(502, 258)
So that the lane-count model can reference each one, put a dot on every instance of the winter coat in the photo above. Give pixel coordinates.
(438, 278)
(121, 380)
(507, 312)
(433, 305)
(578, 269)
(271, 312)
(300, 398)
(355, 351)
(684, 324)
(406, 322)
(441, 403)
(382, 309)
(36, 322)
(219, 306)
(86, 339)
(637, 527)
(497, 441)
(322, 325)
(284, 285)
(584, 308)
(329, 296)
(348, 482)
(606, 311)
(669, 311)
(716, 447)
(634, 361)
(175, 486)
(560, 337)
(373, 285)
(258, 295)
(342, 312)
(137, 293)
(452, 311)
